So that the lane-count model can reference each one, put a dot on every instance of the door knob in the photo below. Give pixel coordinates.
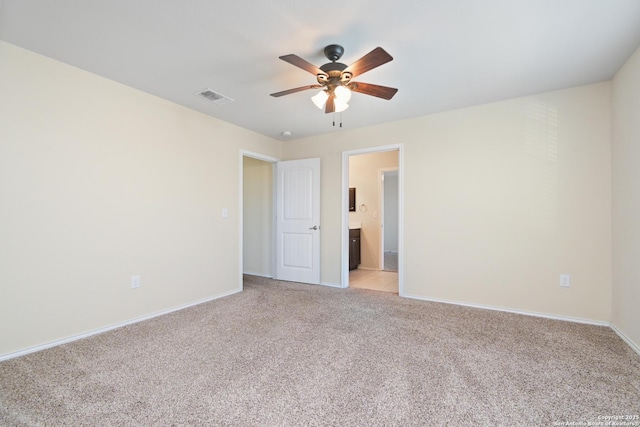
(315, 227)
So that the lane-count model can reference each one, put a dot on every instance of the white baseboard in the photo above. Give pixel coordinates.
(626, 339)
(332, 285)
(268, 276)
(507, 310)
(55, 343)
(72, 338)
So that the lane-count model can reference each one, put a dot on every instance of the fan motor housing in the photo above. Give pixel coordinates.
(333, 66)
(334, 75)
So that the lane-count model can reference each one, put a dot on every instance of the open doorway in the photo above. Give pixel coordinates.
(363, 227)
(257, 213)
(280, 218)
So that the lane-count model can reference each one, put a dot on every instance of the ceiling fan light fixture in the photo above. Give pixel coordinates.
(334, 78)
(340, 106)
(320, 98)
(342, 94)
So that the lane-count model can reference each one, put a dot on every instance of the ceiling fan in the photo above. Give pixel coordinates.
(334, 78)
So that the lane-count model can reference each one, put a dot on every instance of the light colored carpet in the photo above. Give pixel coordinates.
(281, 354)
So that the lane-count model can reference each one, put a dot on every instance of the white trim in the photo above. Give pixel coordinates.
(67, 340)
(344, 226)
(258, 156)
(401, 220)
(266, 276)
(72, 338)
(507, 310)
(344, 247)
(274, 218)
(331, 285)
(626, 339)
(375, 149)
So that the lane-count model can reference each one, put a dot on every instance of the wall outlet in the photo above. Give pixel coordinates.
(135, 282)
(565, 280)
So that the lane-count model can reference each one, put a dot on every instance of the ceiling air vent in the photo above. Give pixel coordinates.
(215, 97)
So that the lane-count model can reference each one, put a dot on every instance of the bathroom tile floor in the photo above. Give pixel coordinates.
(385, 281)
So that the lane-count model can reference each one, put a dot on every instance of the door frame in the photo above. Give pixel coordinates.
(345, 210)
(273, 161)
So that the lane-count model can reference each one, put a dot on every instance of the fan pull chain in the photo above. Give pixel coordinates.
(334, 119)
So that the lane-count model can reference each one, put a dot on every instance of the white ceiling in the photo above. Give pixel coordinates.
(447, 53)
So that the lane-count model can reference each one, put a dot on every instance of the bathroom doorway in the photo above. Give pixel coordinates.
(366, 170)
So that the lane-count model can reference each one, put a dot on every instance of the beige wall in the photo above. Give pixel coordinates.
(500, 199)
(99, 182)
(364, 175)
(626, 199)
(257, 230)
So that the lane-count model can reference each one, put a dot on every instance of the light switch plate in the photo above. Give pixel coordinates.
(135, 282)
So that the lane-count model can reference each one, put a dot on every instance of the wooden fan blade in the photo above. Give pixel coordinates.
(294, 90)
(371, 60)
(301, 63)
(383, 92)
(330, 106)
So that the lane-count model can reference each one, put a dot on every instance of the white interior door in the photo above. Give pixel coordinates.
(298, 221)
